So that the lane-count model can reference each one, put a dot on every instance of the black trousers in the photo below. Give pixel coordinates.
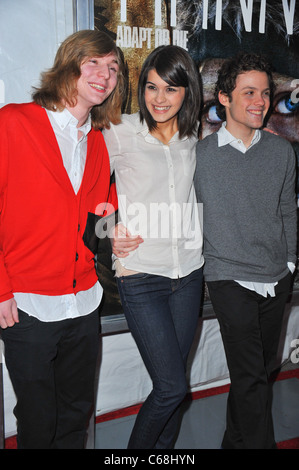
(250, 326)
(52, 368)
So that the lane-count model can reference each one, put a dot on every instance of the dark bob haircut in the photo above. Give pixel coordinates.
(175, 66)
(234, 66)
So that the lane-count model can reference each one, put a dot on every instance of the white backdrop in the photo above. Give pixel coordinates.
(30, 33)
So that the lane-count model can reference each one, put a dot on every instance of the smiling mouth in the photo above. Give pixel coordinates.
(256, 112)
(161, 108)
(97, 87)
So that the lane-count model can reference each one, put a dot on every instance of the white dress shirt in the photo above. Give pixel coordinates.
(73, 152)
(225, 138)
(156, 198)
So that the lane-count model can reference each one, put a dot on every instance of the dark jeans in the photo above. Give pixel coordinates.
(52, 369)
(250, 326)
(162, 315)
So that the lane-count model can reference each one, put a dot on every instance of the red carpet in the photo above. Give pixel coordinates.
(10, 443)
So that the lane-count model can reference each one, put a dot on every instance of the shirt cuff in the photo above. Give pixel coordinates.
(291, 267)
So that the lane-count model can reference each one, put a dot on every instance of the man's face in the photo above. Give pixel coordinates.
(97, 81)
(248, 104)
(284, 119)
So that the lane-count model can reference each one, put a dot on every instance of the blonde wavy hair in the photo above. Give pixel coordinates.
(59, 84)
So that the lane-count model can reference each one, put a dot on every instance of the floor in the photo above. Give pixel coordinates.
(203, 420)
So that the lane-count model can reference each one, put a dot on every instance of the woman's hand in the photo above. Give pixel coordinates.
(123, 242)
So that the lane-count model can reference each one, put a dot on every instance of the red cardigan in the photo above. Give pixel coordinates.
(42, 220)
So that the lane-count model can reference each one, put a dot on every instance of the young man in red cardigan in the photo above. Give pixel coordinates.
(54, 170)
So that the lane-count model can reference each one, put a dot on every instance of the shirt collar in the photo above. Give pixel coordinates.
(225, 137)
(142, 128)
(64, 119)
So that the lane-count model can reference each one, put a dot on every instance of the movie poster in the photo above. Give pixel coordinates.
(210, 31)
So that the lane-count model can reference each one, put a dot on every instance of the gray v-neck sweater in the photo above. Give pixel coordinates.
(249, 209)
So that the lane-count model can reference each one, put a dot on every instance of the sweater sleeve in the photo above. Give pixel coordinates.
(5, 284)
(289, 207)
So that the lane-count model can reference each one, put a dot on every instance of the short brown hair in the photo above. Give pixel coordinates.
(59, 83)
(232, 68)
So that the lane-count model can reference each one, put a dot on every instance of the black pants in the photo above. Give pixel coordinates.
(250, 326)
(52, 369)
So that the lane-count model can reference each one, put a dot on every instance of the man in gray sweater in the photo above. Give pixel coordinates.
(245, 178)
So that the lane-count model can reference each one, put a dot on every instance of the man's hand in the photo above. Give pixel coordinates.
(8, 313)
(123, 242)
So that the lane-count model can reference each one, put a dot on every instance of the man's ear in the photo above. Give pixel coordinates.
(223, 98)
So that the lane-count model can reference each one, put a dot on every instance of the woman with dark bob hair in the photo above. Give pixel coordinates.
(158, 244)
(176, 68)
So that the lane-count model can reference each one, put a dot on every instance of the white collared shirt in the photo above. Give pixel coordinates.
(226, 138)
(73, 152)
(156, 198)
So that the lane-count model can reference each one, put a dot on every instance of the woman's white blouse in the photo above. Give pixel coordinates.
(156, 198)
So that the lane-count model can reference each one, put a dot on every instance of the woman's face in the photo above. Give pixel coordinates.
(162, 100)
